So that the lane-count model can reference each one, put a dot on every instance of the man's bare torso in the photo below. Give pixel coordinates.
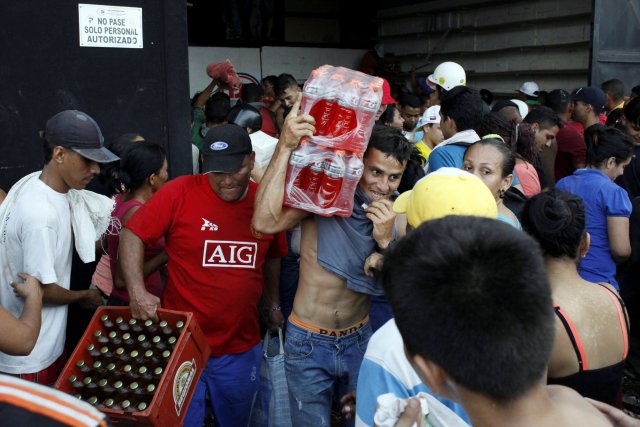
(322, 298)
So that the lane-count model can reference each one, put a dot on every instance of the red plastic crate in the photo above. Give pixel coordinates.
(179, 379)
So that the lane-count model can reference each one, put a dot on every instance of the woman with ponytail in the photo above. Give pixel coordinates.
(591, 340)
(142, 171)
(607, 205)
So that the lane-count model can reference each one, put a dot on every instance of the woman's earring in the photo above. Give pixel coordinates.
(501, 193)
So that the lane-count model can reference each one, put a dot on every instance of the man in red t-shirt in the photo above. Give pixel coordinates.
(217, 266)
(572, 150)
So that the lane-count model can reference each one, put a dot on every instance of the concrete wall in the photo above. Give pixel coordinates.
(499, 43)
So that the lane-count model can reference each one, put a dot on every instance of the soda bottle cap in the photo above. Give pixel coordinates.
(80, 363)
(156, 339)
(119, 351)
(151, 388)
(87, 380)
(179, 324)
(126, 336)
(142, 406)
(118, 384)
(141, 338)
(97, 364)
(108, 403)
(104, 350)
(102, 382)
(148, 323)
(134, 353)
(172, 340)
(119, 320)
(166, 354)
(134, 386)
(157, 371)
(132, 322)
(163, 324)
(148, 353)
(92, 400)
(97, 333)
(78, 396)
(142, 370)
(112, 334)
(111, 366)
(91, 347)
(127, 369)
(104, 317)
(73, 378)
(125, 404)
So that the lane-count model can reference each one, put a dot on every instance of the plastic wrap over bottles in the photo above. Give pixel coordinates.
(324, 169)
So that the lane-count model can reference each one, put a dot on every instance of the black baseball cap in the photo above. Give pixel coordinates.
(79, 132)
(503, 103)
(224, 148)
(591, 95)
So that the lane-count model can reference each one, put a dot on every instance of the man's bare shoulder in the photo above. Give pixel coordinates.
(573, 408)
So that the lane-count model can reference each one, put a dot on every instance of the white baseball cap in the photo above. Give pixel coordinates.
(431, 115)
(529, 88)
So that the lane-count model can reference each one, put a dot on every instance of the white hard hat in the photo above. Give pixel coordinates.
(523, 108)
(529, 88)
(448, 75)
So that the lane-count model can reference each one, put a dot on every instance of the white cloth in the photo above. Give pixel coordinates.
(36, 237)
(390, 407)
(263, 145)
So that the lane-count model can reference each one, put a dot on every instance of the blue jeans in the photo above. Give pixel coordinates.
(320, 368)
(232, 381)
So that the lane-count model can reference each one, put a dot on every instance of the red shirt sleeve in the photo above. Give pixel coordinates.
(278, 246)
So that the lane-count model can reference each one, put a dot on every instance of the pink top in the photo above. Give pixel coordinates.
(153, 282)
(528, 178)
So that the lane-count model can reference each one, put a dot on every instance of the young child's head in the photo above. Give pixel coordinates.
(431, 126)
(471, 299)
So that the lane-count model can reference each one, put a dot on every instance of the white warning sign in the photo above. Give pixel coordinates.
(110, 26)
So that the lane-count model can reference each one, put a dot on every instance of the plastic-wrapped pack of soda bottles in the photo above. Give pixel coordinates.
(324, 169)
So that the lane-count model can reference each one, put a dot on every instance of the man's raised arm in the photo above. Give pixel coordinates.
(269, 216)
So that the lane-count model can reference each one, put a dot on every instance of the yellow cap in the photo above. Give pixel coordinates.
(447, 191)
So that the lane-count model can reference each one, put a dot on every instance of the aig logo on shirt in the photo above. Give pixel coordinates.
(225, 253)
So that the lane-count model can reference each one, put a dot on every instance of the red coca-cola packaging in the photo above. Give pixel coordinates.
(324, 169)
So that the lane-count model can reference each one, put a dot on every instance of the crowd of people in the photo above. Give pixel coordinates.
(485, 277)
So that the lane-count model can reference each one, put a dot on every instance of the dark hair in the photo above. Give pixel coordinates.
(544, 116)
(47, 150)
(464, 106)
(413, 172)
(614, 88)
(471, 294)
(495, 122)
(487, 96)
(604, 142)
(519, 137)
(556, 219)
(119, 147)
(387, 116)
(251, 92)
(217, 108)
(636, 90)
(273, 80)
(508, 158)
(245, 116)
(632, 111)
(410, 100)
(284, 82)
(558, 100)
(137, 164)
(390, 141)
